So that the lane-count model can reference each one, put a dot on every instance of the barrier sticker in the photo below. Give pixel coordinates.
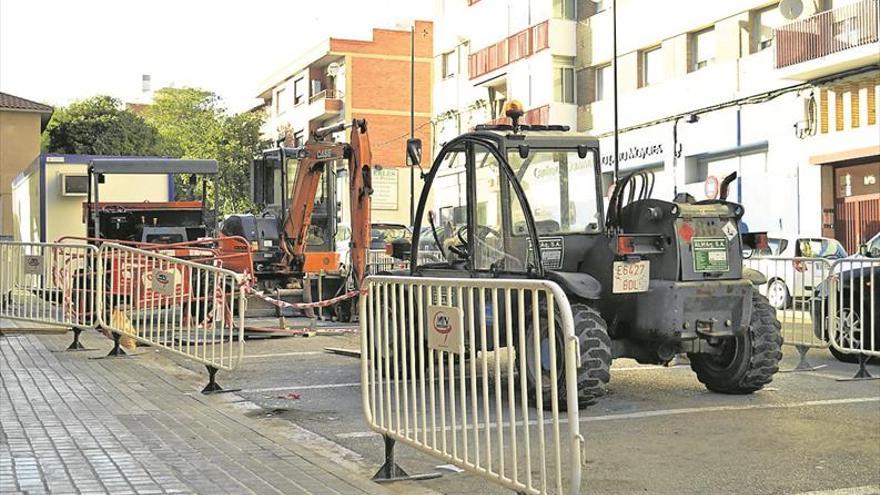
(33, 264)
(164, 282)
(445, 329)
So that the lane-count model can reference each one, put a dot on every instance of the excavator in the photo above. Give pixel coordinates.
(292, 241)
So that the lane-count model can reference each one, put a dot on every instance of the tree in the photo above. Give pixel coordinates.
(100, 126)
(192, 123)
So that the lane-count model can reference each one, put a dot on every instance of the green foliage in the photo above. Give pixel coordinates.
(193, 124)
(100, 126)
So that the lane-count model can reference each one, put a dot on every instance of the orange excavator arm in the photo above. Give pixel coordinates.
(313, 158)
(360, 188)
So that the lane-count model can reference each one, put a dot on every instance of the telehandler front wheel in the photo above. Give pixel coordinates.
(748, 362)
(595, 348)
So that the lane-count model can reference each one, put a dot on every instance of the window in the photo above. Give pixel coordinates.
(298, 138)
(563, 85)
(766, 21)
(564, 9)
(561, 190)
(282, 101)
(448, 64)
(702, 48)
(604, 82)
(651, 66)
(298, 91)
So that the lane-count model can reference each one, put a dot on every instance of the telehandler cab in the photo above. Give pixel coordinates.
(648, 279)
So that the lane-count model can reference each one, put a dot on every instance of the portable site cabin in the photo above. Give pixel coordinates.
(48, 196)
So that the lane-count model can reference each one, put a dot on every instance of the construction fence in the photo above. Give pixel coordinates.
(481, 374)
(190, 308)
(824, 303)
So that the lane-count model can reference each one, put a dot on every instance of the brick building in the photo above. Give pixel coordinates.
(342, 79)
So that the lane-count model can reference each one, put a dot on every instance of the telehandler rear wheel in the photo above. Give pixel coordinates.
(595, 348)
(748, 362)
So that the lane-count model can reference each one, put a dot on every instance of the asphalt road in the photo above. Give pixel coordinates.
(658, 431)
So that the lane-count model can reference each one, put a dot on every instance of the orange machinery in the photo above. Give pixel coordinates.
(294, 236)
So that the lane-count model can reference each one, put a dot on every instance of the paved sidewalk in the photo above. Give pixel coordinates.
(71, 424)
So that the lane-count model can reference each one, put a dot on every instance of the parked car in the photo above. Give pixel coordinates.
(383, 233)
(793, 279)
(380, 235)
(858, 301)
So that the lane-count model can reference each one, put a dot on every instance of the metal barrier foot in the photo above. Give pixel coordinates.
(76, 345)
(803, 364)
(390, 471)
(863, 373)
(213, 387)
(117, 350)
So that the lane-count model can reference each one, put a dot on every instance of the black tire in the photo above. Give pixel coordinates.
(748, 362)
(343, 310)
(595, 349)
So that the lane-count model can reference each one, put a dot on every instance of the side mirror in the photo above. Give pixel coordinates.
(414, 152)
(399, 249)
(863, 249)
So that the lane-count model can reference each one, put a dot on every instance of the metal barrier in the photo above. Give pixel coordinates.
(854, 299)
(52, 284)
(378, 261)
(463, 370)
(791, 289)
(191, 309)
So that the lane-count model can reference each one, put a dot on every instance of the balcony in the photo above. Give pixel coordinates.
(325, 104)
(829, 42)
(516, 47)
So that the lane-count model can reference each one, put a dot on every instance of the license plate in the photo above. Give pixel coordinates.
(631, 277)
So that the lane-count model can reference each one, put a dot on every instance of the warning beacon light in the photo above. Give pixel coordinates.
(513, 109)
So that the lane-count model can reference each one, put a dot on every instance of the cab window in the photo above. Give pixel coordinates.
(561, 189)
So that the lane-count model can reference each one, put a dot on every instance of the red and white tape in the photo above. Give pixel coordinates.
(312, 305)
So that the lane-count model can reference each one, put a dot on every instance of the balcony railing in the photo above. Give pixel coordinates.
(330, 94)
(826, 33)
(535, 116)
(521, 45)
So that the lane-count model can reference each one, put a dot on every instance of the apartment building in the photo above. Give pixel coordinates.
(786, 96)
(342, 79)
(489, 51)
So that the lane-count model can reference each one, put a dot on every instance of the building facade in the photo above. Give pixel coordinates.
(786, 96)
(487, 52)
(21, 123)
(343, 79)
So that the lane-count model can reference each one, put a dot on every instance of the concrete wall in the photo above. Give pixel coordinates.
(19, 147)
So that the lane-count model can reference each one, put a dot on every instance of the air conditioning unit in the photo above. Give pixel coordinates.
(74, 184)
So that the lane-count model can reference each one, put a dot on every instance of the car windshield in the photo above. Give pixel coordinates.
(387, 233)
(820, 248)
(561, 189)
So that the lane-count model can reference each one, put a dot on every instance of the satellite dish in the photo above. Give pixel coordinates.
(791, 9)
(333, 69)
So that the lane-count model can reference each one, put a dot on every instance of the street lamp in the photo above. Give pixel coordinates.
(614, 72)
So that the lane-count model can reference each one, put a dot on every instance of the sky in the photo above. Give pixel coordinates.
(58, 51)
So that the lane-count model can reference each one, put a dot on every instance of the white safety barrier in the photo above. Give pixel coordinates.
(191, 309)
(52, 284)
(378, 261)
(791, 289)
(464, 370)
(854, 299)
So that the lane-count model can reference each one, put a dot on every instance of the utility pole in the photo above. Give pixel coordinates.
(614, 47)
(412, 119)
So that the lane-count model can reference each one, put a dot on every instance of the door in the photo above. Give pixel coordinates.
(856, 204)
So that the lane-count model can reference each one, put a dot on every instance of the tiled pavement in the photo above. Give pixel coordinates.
(70, 424)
